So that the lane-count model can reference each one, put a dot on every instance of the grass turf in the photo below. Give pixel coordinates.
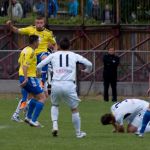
(20, 136)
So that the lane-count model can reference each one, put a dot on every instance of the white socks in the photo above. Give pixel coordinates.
(17, 112)
(54, 117)
(76, 122)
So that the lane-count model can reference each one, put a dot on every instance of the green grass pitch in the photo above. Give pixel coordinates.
(20, 136)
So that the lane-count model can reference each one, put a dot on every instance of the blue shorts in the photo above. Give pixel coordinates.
(39, 56)
(32, 85)
(24, 94)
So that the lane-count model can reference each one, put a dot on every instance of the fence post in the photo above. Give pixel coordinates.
(46, 12)
(118, 11)
(132, 70)
(10, 4)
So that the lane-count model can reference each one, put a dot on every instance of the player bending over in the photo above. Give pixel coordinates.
(28, 81)
(130, 110)
(63, 83)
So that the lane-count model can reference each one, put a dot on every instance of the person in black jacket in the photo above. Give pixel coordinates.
(111, 62)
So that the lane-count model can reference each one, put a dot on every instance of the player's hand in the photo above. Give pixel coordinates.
(9, 23)
(85, 71)
(23, 84)
(114, 131)
(148, 91)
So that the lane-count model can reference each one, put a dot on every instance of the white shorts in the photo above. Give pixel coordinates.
(66, 91)
(137, 121)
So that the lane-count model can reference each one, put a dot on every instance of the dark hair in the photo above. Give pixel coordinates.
(33, 38)
(40, 17)
(106, 119)
(64, 43)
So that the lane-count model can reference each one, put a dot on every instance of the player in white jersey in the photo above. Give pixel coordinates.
(130, 110)
(63, 83)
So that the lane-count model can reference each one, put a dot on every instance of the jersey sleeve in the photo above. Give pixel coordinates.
(45, 61)
(28, 58)
(26, 30)
(51, 38)
(85, 62)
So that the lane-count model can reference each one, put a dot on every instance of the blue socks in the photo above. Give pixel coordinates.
(38, 108)
(44, 72)
(31, 108)
(146, 119)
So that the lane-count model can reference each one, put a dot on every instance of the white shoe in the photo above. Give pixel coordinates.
(139, 134)
(35, 124)
(27, 120)
(81, 134)
(16, 119)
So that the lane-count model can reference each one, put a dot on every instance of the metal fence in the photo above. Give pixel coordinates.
(82, 11)
(134, 65)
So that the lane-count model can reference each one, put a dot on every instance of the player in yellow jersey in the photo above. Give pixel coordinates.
(28, 81)
(46, 40)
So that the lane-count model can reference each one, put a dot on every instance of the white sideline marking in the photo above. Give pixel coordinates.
(4, 127)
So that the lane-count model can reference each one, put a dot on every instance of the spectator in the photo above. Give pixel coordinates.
(3, 7)
(26, 7)
(89, 8)
(111, 62)
(95, 10)
(16, 11)
(6, 4)
(39, 7)
(52, 8)
(107, 14)
(73, 8)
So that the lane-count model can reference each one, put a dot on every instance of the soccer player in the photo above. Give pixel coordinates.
(130, 110)
(46, 40)
(28, 81)
(63, 83)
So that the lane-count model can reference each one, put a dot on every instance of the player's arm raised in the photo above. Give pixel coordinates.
(12, 27)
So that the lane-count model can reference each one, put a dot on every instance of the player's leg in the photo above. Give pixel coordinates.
(41, 57)
(145, 121)
(114, 90)
(71, 98)
(54, 118)
(36, 105)
(31, 107)
(37, 110)
(56, 96)
(106, 87)
(21, 106)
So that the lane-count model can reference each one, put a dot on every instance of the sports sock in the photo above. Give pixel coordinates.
(31, 107)
(54, 116)
(38, 108)
(18, 110)
(44, 73)
(146, 119)
(76, 121)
